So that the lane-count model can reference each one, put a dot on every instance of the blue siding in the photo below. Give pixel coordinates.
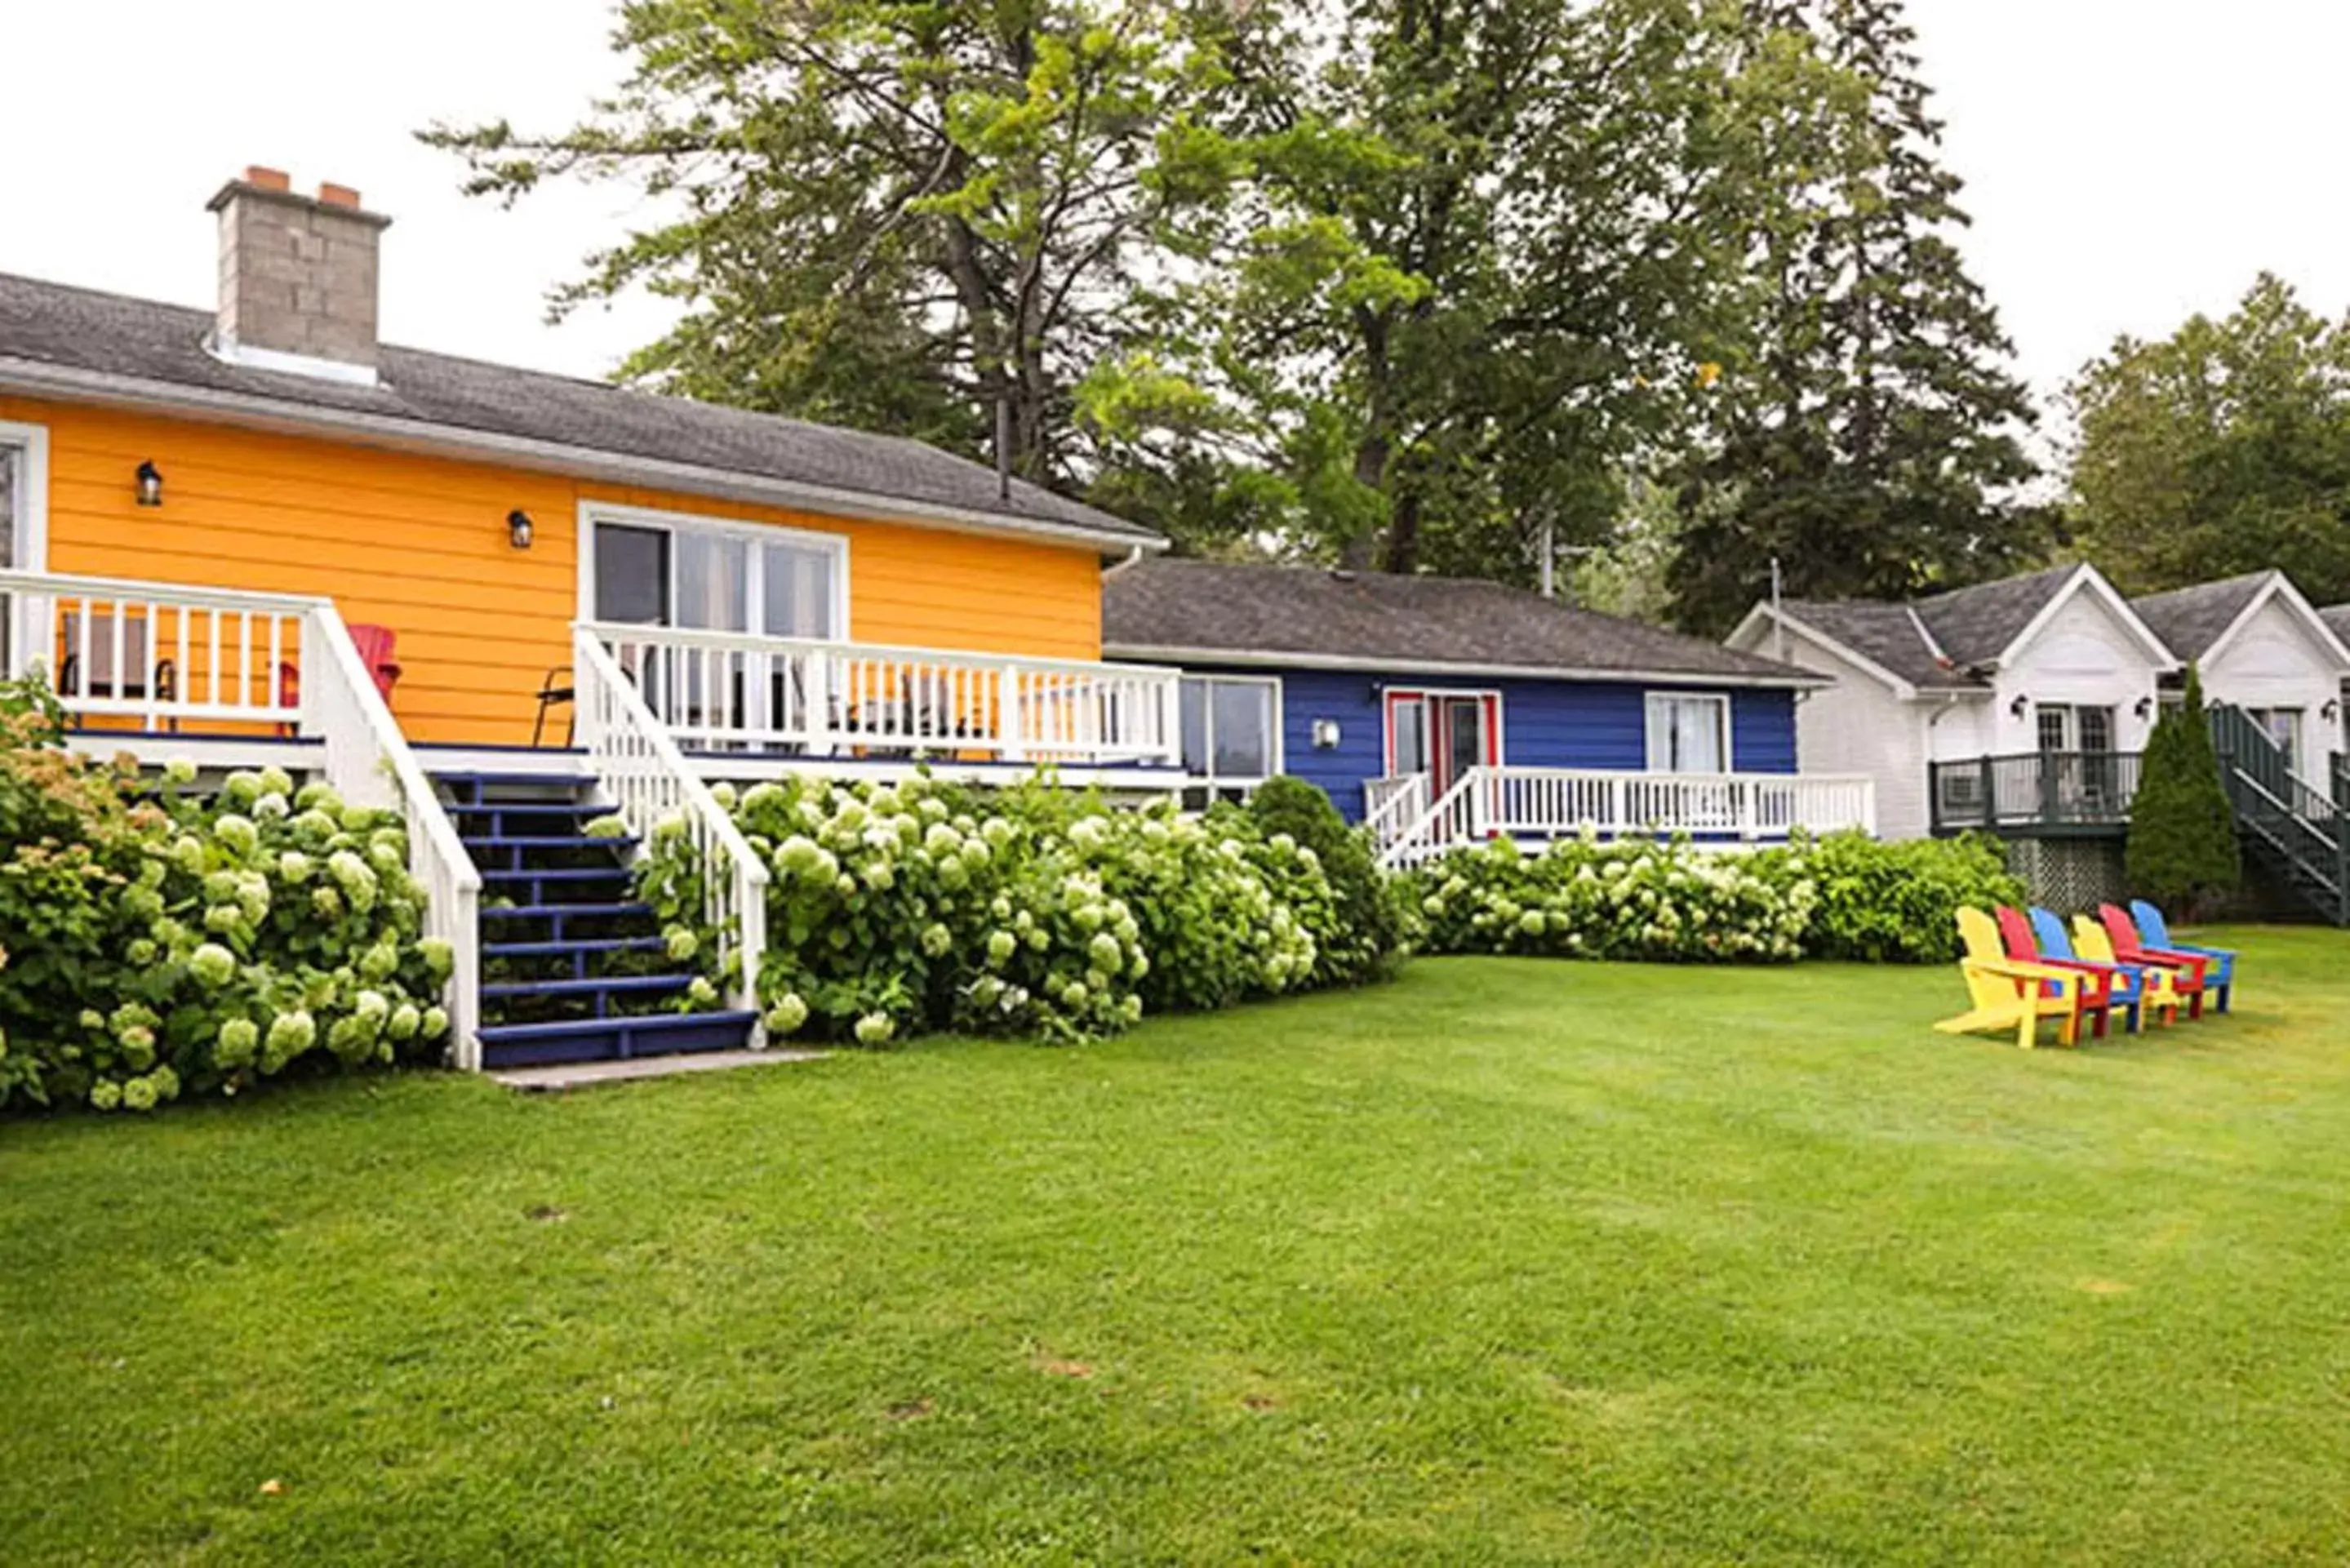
(1545, 724)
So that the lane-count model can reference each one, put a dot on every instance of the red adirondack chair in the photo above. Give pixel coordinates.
(2096, 992)
(2189, 971)
(375, 644)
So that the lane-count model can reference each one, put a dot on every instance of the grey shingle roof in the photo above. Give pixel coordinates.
(1886, 635)
(2190, 620)
(1933, 642)
(2338, 618)
(80, 330)
(1314, 613)
(1975, 626)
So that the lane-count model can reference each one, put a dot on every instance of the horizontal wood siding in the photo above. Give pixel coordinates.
(1545, 724)
(1763, 732)
(418, 544)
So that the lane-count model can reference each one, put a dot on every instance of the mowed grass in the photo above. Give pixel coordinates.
(1510, 1262)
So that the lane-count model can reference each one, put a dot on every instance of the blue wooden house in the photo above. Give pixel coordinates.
(1443, 711)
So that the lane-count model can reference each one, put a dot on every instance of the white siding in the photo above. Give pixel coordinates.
(2084, 656)
(2275, 662)
(1859, 726)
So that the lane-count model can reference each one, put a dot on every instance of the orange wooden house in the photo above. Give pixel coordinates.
(255, 533)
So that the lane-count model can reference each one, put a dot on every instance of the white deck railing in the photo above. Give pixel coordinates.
(119, 649)
(716, 691)
(1392, 805)
(157, 655)
(639, 764)
(1552, 802)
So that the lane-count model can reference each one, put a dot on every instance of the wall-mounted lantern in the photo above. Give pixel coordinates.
(150, 484)
(1325, 734)
(519, 529)
(2016, 709)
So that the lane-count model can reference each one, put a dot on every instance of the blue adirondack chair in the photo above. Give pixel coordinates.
(2219, 978)
(2129, 982)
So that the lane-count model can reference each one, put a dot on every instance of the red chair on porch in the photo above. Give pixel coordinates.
(375, 644)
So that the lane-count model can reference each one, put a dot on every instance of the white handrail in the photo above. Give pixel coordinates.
(1393, 802)
(369, 762)
(1448, 823)
(632, 754)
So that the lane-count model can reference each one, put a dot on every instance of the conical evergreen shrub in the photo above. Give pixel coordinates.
(2182, 837)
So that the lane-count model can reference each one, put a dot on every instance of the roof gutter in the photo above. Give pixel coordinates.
(34, 378)
(1400, 665)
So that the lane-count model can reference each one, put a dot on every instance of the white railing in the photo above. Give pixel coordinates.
(1393, 805)
(155, 655)
(369, 762)
(1552, 803)
(717, 690)
(114, 650)
(633, 753)
(1449, 822)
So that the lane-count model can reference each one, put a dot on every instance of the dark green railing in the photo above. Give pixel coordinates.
(2301, 828)
(2035, 792)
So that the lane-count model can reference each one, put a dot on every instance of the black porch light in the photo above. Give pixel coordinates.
(2015, 709)
(150, 484)
(519, 529)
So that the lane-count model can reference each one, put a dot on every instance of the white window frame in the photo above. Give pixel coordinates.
(836, 545)
(24, 626)
(2297, 752)
(1276, 718)
(32, 548)
(1653, 713)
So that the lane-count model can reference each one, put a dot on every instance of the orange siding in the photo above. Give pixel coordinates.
(418, 544)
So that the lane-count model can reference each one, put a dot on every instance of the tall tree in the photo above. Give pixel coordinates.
(911, 218)
(1481, 253)
(2182, 834)
(2224, 447)
(1870, 436)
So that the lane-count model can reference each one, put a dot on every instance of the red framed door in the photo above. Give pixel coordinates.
(1442, 734)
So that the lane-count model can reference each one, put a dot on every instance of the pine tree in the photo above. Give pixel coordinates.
(1873, 438)
(2182, 836)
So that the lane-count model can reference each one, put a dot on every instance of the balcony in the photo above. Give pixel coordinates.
(2042, 795)
(744, 704)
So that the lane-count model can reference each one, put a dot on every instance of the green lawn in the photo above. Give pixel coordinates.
(1512, 1262)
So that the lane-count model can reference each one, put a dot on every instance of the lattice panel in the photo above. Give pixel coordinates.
(2071, 875)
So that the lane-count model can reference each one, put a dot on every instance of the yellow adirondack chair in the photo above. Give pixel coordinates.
(2008, 994)
(2090, 941)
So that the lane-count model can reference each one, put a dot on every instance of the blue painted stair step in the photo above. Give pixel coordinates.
(575, 968)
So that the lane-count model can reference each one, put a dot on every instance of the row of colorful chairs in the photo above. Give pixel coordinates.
(2025, 967)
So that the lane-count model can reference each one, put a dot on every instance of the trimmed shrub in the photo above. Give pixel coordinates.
(1893, 903)
(1374, 922)
(2182, 835)
(160, 945)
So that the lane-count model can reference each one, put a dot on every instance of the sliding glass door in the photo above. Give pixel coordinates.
(655, 569)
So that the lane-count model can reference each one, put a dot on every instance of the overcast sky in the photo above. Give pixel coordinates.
(2128, 161)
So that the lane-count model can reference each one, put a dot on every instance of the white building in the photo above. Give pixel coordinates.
(2054, 662)
(2026, 700)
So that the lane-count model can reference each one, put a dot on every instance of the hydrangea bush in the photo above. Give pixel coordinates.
(1664, 902)
(1034, 911)
(1845, 898)
(158, 944)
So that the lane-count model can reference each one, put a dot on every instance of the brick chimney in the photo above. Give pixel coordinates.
(297, 278)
